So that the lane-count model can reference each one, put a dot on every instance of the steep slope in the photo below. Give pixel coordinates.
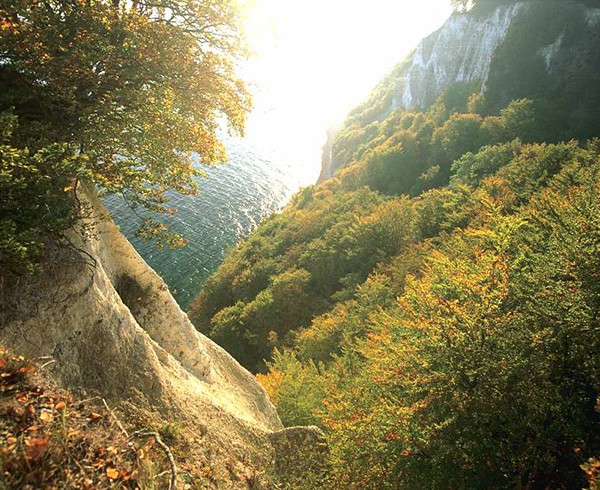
(435, 306)
(111, 327)
(543, 50)
(461, 51)
(409, 304)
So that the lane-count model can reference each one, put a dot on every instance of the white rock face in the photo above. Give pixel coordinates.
(460, 51)
(112, 328)
(327, 163)
(550, 51)
(593, 17)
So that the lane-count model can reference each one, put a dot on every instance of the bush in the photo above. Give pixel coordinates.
(37, 201)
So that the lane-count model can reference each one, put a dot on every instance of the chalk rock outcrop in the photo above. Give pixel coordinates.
(460, 52)
(111, 327)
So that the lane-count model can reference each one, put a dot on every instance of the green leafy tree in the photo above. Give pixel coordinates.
(36, 200)
(471, 169)
(137, 88)
(297, 389)
(518, 120)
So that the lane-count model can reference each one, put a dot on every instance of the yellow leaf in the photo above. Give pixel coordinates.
(46, 417)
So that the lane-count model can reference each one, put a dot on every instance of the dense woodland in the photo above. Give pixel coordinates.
(435, 306)
(448, 340)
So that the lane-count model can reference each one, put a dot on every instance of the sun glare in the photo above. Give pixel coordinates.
(314, 60)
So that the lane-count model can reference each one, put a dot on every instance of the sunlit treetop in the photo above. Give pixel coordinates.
(136, 86)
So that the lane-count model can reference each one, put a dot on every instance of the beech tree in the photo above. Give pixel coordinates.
(138, 87)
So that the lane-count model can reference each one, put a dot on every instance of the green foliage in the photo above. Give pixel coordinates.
(454, 345)
(37, 200)
(413, 152)
(316, 249)
(484, 373)
(264, 321)
(333, 332)
(131, 88)
(458, 135)
(537, 164)
(517, 120)
(335, 234)
(296, 388)
(442, 210)
(471, 169)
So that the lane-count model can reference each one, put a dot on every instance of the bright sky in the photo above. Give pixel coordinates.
(316, 59)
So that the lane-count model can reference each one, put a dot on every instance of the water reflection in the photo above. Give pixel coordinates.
(259, 178)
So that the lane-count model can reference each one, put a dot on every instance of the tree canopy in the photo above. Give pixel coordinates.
(134, 89)
(434, 306)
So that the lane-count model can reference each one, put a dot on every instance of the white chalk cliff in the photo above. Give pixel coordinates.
(112, 328)
(460, 51)
(466, 50)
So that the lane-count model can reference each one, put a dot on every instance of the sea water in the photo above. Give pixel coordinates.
(260, 176)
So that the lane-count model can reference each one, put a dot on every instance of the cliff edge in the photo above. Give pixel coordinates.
(111, 328)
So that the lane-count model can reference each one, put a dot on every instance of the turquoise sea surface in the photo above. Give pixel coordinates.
(258, 179)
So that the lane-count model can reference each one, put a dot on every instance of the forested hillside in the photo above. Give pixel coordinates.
(435, 306)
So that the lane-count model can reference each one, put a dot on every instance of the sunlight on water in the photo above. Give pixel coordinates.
(257, 180)
(301, 85)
